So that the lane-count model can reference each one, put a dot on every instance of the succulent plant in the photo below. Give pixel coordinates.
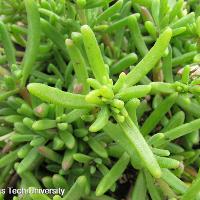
(99, 99)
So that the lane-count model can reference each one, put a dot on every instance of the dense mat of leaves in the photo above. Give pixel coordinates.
(100, 98)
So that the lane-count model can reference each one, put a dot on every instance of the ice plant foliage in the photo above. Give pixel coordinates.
(97, 94)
